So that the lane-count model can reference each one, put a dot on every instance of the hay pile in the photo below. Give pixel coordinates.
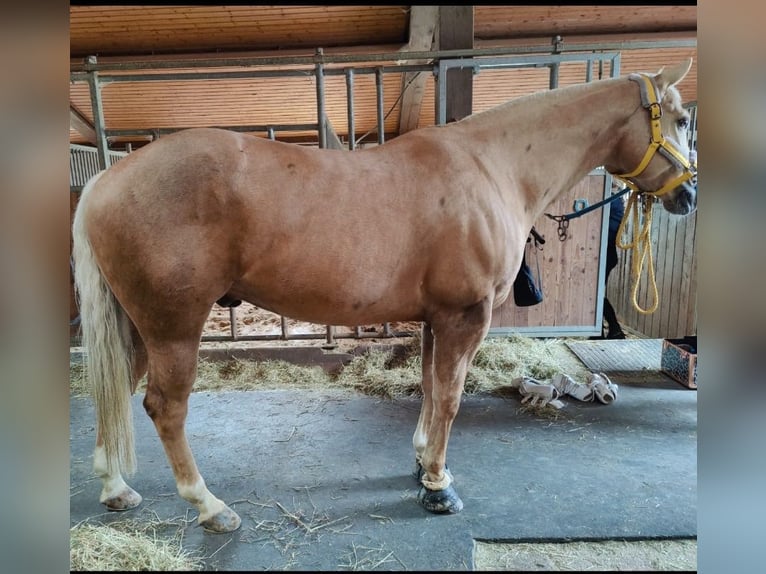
(130, 545)
(385, 373)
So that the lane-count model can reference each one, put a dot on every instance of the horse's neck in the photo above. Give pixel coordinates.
(543, 145)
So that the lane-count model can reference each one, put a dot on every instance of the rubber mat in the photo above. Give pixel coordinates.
(621, 356)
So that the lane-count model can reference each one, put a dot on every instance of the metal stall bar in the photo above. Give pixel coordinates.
(379, 106)
(350, 108)
(156, 132)
(322, 129)
(98, 119)
(508, 62)
(282, 320)
(349, 73)
(91, 65)
(381, 140)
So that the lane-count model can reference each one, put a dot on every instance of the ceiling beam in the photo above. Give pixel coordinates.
(423, 24)
(81, 124)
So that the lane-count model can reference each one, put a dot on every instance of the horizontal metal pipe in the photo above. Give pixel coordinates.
(309, 336)
(191, 76)
(379, 57)
(256, 128)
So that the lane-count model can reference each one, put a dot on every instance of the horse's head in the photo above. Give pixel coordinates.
(653, 154)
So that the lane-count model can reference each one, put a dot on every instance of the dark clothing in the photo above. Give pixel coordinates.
(616, 212)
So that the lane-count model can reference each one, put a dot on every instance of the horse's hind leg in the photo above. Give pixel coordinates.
(456, 339)
(115, 492)
(172, 369)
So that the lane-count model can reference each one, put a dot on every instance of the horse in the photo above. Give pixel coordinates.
(434, 225)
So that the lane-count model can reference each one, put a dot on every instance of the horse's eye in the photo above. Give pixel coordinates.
(683, 123)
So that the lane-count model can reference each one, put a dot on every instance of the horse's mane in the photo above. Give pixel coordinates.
(561, 95)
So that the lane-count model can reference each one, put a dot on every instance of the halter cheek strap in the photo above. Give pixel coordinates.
(658, 143)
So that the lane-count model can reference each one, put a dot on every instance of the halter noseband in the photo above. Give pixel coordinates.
(657, 143)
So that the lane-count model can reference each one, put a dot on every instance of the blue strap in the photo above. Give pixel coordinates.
(590, 208)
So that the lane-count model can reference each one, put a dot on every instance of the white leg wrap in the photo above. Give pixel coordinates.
(445, 481)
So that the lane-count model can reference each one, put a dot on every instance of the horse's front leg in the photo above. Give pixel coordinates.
(420, 438)
(456, 339)
(172, 369)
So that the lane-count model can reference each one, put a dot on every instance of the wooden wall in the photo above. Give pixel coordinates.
(571, 272)
(674, 249)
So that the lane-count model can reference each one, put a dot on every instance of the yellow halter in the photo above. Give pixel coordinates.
(641, 244)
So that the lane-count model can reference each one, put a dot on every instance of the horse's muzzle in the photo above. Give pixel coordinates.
(684, 200)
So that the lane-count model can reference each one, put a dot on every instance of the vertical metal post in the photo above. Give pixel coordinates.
(441, 94)
(351, 137)
(554, 79)
(322, 130)
(233, 322)
(589, 71)
(330, 340)
(321, 125)
(350, 108)
(98, 117)
(615, 66)
(381, 140)
(381, 119)
(283, 322)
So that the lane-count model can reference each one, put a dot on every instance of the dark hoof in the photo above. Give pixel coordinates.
(225, 521)
(440, 501)
(126, 500)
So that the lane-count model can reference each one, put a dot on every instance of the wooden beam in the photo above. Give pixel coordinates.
(333, 141)
(81, 124)
(423, 24)
(456, 33)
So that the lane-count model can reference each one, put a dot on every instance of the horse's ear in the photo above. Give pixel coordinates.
(671, 76)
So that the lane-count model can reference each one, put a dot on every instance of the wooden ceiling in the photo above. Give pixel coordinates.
(137, 37)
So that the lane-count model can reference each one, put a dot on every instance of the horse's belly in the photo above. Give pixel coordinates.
(333, 298)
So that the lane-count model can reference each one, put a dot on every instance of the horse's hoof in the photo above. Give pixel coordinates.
(126, 500)
(440, 501)
(225, 521)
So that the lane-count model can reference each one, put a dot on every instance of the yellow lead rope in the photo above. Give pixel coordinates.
(641, 249)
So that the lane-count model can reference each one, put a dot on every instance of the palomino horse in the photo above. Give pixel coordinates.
(434, 224)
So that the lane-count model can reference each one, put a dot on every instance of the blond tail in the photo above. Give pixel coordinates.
(107, 339)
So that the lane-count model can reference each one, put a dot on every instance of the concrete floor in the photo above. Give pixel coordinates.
(341, 463)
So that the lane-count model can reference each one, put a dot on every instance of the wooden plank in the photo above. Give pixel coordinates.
(423, 23)
(569, 269)
(456, 32)
(333, 141)
(678, 299)
(126, 29)
(689, 277)
(81, 124)
(664, 275)
(526, 21)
